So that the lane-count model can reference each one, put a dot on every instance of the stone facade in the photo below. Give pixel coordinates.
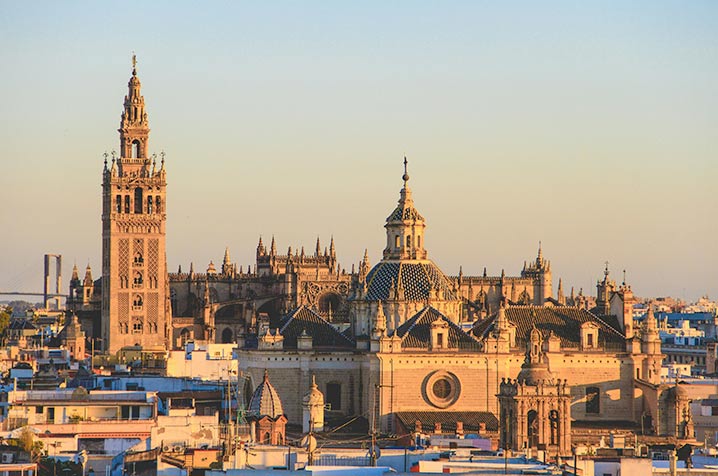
(400, 336)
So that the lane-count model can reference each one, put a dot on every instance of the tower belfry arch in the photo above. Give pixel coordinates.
(135, 296)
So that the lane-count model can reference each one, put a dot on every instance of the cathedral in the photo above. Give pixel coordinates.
(399, 343)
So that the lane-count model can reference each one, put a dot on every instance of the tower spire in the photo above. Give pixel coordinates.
(134, 127)
(405, 177)
(405, 227)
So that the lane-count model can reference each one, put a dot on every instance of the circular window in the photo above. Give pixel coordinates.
(441, 388)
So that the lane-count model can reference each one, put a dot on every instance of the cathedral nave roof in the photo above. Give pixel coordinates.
(323, 334)
(565, 322)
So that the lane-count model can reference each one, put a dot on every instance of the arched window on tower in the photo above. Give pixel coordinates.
(137, 282)
(138, 200)
(135, 149)
(158, 204)
(118, 203)
(397, 242)
(408, 241)
(127, 204)
(149, 204)
(418, 241)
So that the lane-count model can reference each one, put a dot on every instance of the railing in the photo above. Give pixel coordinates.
(334, 460)
(47, 397)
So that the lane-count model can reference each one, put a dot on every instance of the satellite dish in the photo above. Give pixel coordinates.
(309, 443)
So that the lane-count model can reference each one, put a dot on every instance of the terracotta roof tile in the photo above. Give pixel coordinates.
(322, 332)
(416, 332)
(471, 420)
(565, 322)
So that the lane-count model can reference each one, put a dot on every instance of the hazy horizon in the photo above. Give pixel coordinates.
(590, 127)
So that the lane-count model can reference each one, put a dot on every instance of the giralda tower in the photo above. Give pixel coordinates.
(135, 307)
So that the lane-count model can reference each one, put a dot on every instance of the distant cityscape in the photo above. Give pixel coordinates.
(299, 364)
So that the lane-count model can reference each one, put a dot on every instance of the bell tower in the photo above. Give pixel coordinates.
(135, 308)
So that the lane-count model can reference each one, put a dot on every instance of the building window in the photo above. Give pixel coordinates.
(334, 395)
(158, 204)
(127, 204)
(397, 241)
(149, 204)
(442, 388)
(138, 201)
(593, 400)
(138, 258)
(408, 241)
(137, 282)
(137, 302)
(590, 339)
(137, 327)
(118, 203)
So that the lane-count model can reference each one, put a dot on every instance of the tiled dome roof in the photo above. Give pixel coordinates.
(265, 401)
(402, 212)
(416, 277)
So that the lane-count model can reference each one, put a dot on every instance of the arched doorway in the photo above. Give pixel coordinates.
(227, 336)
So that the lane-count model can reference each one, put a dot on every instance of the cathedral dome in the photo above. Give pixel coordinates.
(418, 280)
(534, 373)
(265, 401)
(680, 392)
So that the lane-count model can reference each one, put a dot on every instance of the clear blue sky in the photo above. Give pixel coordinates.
(590, 126)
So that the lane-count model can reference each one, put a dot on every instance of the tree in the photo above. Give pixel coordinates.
(5, 314)
(26, 441)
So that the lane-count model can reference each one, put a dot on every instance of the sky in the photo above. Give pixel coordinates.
(588, 126)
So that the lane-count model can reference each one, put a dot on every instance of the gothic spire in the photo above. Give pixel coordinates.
(88, 276)
(226, 259)
(318, 250)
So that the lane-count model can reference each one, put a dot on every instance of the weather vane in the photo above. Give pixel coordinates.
(134, 60)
